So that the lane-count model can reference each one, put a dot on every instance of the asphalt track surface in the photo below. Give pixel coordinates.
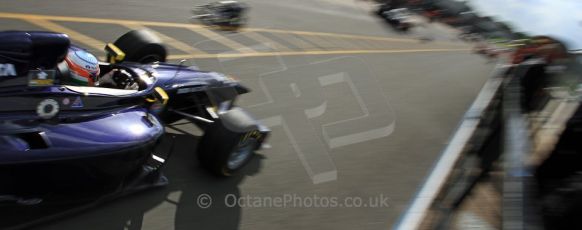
(359, 113)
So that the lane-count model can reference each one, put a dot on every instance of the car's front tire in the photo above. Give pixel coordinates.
(229, 143)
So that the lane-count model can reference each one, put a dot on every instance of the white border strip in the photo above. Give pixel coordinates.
(439, 174)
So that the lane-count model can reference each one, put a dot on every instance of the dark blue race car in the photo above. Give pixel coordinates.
(59, 141)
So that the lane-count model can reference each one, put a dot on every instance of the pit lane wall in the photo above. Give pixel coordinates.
(480, 121)
(509, 123)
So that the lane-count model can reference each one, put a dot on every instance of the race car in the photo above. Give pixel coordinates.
(398, 18)
(224, 15)
(60, 143)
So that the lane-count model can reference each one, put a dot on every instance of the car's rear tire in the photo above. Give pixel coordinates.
(141, 46)
(229, 143)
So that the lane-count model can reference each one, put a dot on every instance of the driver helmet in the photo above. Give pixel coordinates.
(83, 67)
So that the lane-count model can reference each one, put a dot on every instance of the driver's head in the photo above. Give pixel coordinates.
(83, 67)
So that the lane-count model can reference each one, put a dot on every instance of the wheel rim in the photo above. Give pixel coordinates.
(241, 154)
